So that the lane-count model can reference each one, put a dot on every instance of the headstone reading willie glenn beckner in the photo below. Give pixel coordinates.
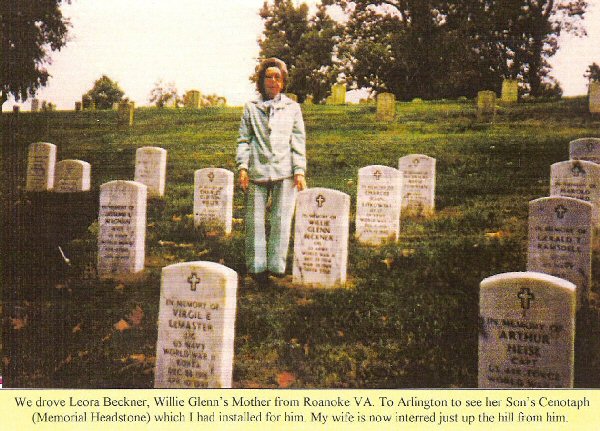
(213, 198)
(72, 176)
(526, 331)
(321, 237)
(122, 233)
(151, 169)
(196, 325)
(418, 187)
(560, 238)
(378, 202)
(41, 161)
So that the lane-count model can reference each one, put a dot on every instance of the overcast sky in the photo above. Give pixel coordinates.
(209, 45)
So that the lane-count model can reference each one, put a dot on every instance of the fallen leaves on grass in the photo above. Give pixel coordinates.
(77, 328)
(18, 323)
(122, 325)
(496, 235)
(136, 316)
(285, 379)
(120, 287)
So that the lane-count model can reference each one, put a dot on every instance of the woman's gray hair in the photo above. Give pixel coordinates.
(262, 69)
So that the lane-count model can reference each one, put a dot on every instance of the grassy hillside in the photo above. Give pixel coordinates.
(409, 315)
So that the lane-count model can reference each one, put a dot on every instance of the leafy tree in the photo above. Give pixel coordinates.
(163, 94)
(304, 43)
(105, 93)
(30, 30)
(444, 48)
(592, 73)
(210, 100)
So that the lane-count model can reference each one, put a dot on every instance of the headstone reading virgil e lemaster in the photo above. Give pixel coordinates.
(577, 179)
(196, 323)
(125, 113)
(213, 198)
(338, 94)
(386, 106)
(560, 238)
(378, 202)
(486, 105)
(594, 97)
(191, 99)
(151, 169)
(526, 331)
(418, 186)
(122, 234)
(41, 160)
(321, 237)
(510, 91)
(72, 176)
(35, 105)
(585, 149)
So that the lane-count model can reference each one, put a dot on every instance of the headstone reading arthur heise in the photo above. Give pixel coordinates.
(196, 324)
(560, 236)
(418, 187)
(122, 233)
(378, 204)
(151, 169)
(41, 160)
(578, 179)
(526, 331)
(585, 149)
(213, 198)
(72, 176)
(321, 237)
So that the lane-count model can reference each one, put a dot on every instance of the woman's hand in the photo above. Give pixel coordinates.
(244, 179)
(299, 182)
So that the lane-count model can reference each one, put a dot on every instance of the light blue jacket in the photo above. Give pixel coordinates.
(272, 140)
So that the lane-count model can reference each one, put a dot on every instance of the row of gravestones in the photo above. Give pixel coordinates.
(527, 319)
(321, 223)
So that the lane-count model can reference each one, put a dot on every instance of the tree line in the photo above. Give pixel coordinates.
(429, 49)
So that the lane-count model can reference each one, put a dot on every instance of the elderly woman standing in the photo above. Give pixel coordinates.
(271, 160)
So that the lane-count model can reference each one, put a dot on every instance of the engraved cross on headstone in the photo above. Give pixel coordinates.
(526, 297)
(193, 280)
(560, 211)
(377, 174)
(211, 176)
(577, 169)
(416, 162)
(320, 201)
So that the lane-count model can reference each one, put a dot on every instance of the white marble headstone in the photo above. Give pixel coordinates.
(578, 179)
(378, 204)
(151, 169)
(321, 237)
(196, 326)
(585, 149)
(213, 198)
(72, 176)
(338, 94)
(122, 234)
(418, 188)
(386, 106)
(560, 238)
(41, 160)
(526, 331)
(594, 97)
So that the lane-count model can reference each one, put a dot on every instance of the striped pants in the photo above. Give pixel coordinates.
(263, 255)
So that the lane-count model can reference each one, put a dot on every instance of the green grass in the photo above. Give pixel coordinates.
(409, 315)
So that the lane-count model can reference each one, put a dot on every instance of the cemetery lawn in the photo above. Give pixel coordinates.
(408, 317)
